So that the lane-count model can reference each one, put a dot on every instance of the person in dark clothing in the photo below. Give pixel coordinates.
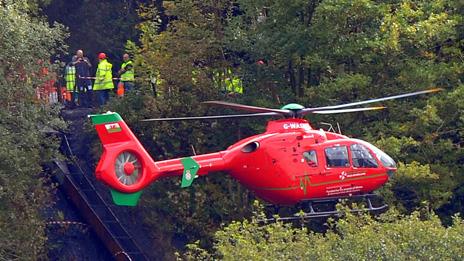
(84, 84)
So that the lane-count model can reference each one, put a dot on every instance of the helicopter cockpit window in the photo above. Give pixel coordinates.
(337, 156)
(362, 157)
(310, 158)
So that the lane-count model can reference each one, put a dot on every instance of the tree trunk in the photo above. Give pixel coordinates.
(301, 79)
(310, 8)
(291, 76)
(308, 80)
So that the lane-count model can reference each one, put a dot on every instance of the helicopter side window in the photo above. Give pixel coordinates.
(310, 158)
(362, 157)
(337, 156)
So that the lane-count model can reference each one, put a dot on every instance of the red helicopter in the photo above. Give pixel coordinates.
(287, 164)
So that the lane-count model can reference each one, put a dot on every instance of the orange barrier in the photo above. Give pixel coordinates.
(120, 91)
(68, 96)
(47, 92)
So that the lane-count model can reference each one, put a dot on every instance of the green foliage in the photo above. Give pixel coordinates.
(414, 185)
(96, 26)
(27, 43)
(314, 53)
(184, 59)
(353, 237)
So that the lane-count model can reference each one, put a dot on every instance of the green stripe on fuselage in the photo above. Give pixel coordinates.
(344, 180)
(305, 182)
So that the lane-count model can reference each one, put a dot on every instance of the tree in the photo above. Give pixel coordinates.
(311, 52)
(27, 45)
(353, 237)
(332, 52)
(184, 58)
(96, 26)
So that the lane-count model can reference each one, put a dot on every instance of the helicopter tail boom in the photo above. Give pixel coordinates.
(127, 167)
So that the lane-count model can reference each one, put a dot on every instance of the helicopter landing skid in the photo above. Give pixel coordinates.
(318, 208)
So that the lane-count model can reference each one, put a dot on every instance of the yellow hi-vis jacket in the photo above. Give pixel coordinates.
(227, 81)
(70, 77)
(127, 76)
(104, 76)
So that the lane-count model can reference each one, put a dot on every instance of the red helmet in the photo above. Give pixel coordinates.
(101, 56)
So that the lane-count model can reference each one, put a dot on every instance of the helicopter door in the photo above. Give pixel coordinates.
(336, 160)
(323, 175)
(337, 157)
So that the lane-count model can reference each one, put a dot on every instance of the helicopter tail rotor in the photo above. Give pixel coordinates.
(125, 165)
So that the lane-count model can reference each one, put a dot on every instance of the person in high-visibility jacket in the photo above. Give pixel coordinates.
(155, 82)
(234, 85)
(103, 79)
(126, 73)
(226, 81)
(70, 79)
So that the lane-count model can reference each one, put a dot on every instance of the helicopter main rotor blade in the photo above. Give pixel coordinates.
(348, 110)
(247, 107)
(214, 117)
(309, 110)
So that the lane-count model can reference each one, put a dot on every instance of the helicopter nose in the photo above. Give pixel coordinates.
(390, 172)
(390, 164)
